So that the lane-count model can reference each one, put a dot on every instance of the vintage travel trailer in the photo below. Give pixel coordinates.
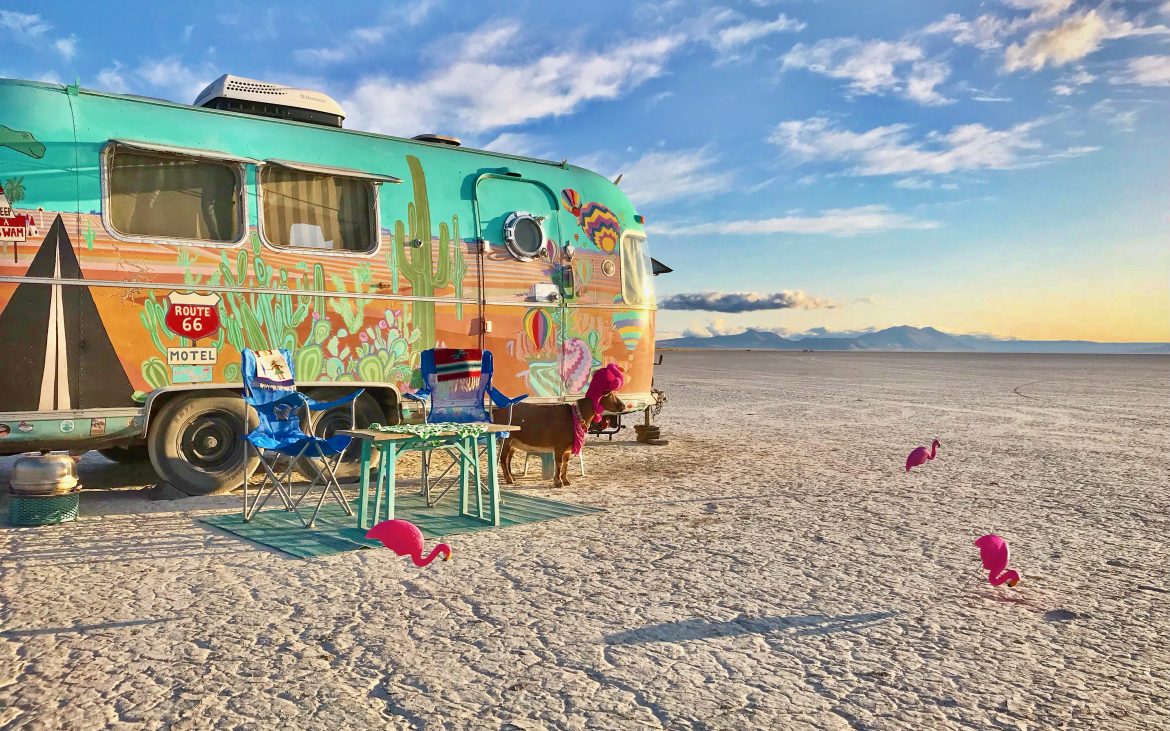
(144, 243)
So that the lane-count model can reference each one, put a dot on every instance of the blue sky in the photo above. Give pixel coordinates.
(998, 167)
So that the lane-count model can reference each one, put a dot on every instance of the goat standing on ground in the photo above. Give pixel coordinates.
(559, 428)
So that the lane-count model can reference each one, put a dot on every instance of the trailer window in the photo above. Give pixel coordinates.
(637, 272)
(173, 196)
(317, 210)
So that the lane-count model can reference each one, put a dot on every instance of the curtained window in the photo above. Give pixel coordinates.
(317, 210)
(173, 196)
(637, 271)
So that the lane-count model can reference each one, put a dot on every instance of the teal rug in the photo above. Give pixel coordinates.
(335, 532)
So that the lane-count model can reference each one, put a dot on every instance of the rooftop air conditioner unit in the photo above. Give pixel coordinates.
(248, 96)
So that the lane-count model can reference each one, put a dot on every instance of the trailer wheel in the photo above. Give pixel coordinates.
(326, 423)
(196, 443)
(126, 455)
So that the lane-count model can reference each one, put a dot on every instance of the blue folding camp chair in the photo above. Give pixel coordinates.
(456, 385)
(270, 389)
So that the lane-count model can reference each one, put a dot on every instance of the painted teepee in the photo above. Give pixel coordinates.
(55, 353)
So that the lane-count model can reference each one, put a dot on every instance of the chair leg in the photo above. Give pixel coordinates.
(525, 472)
(581, 459)
(330, 487)
(277, 486)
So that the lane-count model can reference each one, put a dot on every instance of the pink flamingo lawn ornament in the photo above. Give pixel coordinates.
(405, 539)
(994, 552)
(920, 455)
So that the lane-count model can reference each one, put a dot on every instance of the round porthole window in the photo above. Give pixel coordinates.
(524, 235)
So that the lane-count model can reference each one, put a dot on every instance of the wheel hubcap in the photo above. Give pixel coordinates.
(211, 441)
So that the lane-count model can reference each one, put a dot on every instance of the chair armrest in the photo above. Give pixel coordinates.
(501, 401)
(323, 405)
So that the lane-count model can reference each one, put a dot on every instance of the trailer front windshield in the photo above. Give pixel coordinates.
(637, 271)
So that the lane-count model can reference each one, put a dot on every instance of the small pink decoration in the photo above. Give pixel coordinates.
(405, 539)
(606, 380)
(920, 455)
(994, 552)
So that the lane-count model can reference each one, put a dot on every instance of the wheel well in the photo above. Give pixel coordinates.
(385, 396)
(160, 400)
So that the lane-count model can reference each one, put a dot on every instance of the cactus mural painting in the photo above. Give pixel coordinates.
(265, 320)
(417, 260)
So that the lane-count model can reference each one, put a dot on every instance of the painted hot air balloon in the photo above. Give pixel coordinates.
(537, 327)
(576, 363)
(572, 201)
(630, 325)
(601, 226)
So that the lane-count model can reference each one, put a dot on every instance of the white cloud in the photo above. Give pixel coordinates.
(985, 32)
(924, 76)
(481, 94)
(1073, 39)
(1072, 83)
(731, 37)
(321, 56)
(1108, 110)
(730, 33)
(519, 143)
(359, 40)
(711, 328)
(661, 176)
(732, 302)
(873, 67)
(67, 47)
(1040, 8)
(838, 222)
(1146, 71)
(23, 25)
(171, 76)
(414, 12)
(166, 77)
(889, 150)
(112, 79)
(914, 184)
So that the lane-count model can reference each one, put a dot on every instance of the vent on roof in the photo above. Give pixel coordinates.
(439, 140)
(249, 96)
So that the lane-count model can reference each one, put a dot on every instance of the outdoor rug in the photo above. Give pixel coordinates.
(335, 532)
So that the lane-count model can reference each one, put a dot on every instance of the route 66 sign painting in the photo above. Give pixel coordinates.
(192, 315)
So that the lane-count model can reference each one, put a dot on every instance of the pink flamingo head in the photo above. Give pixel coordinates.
(995, 554)
(405, 539)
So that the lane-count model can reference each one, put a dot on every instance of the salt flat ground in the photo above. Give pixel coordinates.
(773, 567)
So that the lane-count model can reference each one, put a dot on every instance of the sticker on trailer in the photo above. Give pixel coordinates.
(192, 315)
(97, 427)
(191, 374)
(5, 430)
(16, 227)
(191, 356)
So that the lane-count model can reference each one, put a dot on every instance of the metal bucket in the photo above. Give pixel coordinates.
(44, 474)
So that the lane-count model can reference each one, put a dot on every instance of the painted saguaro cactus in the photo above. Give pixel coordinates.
(415, 249)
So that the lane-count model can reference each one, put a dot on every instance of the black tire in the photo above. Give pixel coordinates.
(196, 443)
(326, 423)
(127, 455)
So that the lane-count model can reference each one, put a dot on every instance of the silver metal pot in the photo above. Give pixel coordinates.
(44, 474)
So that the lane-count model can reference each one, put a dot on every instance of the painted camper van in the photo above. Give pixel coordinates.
(144, 244)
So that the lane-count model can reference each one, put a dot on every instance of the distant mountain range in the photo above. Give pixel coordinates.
(906, 338)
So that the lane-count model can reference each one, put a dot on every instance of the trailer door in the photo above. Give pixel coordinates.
(522, 300)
